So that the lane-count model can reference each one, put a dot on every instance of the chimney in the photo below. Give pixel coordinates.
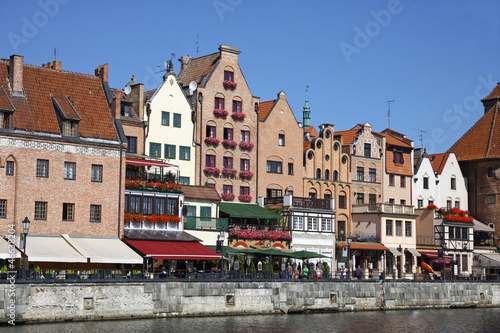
(55, 65)
(16, 72)
(102, 72)
(184, 61)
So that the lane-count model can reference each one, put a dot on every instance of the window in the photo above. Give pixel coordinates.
(184, 153)
(273, 193)
(491, 199)
(360, 173)
(135, 204)
(228, 133)
(372, 174)
(227, 188)
(125, 109)
(408, 228)
(42, 168)
(391, 200)
(290, 168)
(327, 174)
(426, 183)
(131, 144)
(451, 232)
(172, 206)
(326, 225)
(388, 227)
(465, 262)
(237, 106)
(391, 180)
(298, 223)
(335, 175)
(165, 118)
(210, 161)
(327, 196)
(398, 157)
(96, 173)
(490, 172)
(244, 164)
(219, 103)
(244, 190)
(227, 162)
(40, 210)
(147, 205)
(342, 202)
(5, 120)
(95, 213)
(206, 212)
(402, 181)
(465, 233)
(228, 76)
(402, 202)
(453, 183)
(183, 180)
(457, 204)
(191, 211)
(274, 167)
(69, 128)
(69, 170)
(169, 151)
(318, 173)
(312, 223)
(159, 206)
(211, 131)
(368, 150)
(420, 203)
(245, 136)
(3, 208)
(177, 120)
(154, 149)
(281, 139)
(312, 195)
(399, 228)
(448, 204)
(360, 198)
(372, 198)
(430, 202)
(9, 170)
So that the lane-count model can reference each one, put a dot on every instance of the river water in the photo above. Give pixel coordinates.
(442, 320)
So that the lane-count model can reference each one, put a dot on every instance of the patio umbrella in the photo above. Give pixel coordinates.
(427, 267)
(306, 255)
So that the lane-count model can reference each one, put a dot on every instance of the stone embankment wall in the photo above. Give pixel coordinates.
(95, 301)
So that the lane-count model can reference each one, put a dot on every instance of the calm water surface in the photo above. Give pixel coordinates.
(446, 320)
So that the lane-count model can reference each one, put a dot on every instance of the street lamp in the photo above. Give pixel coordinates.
(220, 241)
(349, 241)
(26, 226)
(443, 246)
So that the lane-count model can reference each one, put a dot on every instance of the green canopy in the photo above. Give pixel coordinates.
(247, 210)
(275, 252)
(306, 254)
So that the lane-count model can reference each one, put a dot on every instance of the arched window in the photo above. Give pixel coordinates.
(318, 173)
(335, 175)
(327, 174)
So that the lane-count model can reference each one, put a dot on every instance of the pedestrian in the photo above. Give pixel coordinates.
(341, 272)
(305, 272)
(289, 271)
(295, 274)
(359, 272)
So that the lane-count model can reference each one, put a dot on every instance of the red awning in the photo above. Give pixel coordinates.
(136, 161)
(433, 254)
(174, 250)
(447, 261)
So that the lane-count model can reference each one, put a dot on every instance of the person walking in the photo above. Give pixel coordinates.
(289, 271)
(305, 272)
(359, 272)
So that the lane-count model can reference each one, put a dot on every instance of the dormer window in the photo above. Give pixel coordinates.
(126, 109)
(5, 120)
(398, 157)
(70, 128)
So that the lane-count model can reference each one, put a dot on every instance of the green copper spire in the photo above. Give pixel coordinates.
(306, 113)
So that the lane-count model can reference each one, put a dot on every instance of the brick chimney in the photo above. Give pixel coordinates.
(184, 61)
(102, 72)
(16, 72)
(55, 65)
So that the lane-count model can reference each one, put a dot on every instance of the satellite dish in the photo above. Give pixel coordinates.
(193, 86)
(127, 90)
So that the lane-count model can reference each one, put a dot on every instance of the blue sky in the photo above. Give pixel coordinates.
(435, 59)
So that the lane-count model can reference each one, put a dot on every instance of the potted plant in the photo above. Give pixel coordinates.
(136, 274)
(71, 274)
(3, 272)
(50, 274)
(37, 272)
(94, 274)
(118, 274)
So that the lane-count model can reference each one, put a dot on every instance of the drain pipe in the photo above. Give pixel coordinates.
(200, 99)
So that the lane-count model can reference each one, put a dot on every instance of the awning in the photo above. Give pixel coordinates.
(414, 252)
(364, 246)
(479, 226)
(433, 254)
(487, 259)
(7, 250)
(51, 249)
(247, 211)
(136, 161)
(108, 250)
(395, 251)
(174, 250)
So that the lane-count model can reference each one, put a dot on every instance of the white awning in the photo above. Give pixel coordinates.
(51, 249)
(487, 260)
(394, 251)
(414, 252)
(109, 250)
(8, 250)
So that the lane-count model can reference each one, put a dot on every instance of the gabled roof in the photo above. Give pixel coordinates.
(200, 193)
(392, 141)
(312, 132)
(348, 136)
(482, 140)
(438, 162)
(494, 94)
(265, 108)
(78, 95)
(199, 69)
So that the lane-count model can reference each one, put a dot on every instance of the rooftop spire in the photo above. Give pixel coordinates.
(306, 113)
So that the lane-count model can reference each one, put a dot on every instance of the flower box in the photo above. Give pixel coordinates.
(246, 145)
(211, 170)
(212, 141)
(229, 143)
(238, 115)
(254, 233)
(246, 174)
(228, 172)
(152, 185)
(228, 196)
(245, 198)
(229, 84)
(152, 218)
(220, 113)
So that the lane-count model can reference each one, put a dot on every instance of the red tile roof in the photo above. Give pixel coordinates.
(78, 95)
(312, 132)
(482, 140)
(494, 94)
(265, 108)
(438, 161)
(199, 69)
(348, 136)
(306, 145)
(200, 193)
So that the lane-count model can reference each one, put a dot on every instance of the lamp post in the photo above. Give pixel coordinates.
(220, 240)
(443, 246)
(401, 260)
(349, 241)
(26, 226)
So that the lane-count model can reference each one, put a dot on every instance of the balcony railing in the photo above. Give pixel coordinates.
(196, 222)
(311, 203)
(383, 208)
(273, 201)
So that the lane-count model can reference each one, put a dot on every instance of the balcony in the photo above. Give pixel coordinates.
(383, 208)
(196, 222)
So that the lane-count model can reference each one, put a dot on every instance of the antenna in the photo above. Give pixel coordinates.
(197, 44)
(165, 64)
(55, 53)
(389, 111)
(421, 136)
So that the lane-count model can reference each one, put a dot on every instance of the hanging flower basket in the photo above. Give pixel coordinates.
(212, 170)
(228, 196)
(245, 198)
(454, 214)
(246, 145)
(221, 113)
(228, 172)
(229, 143)
(212, 141)
(246, 174)
(229, 84)
(238, 115)
(152, 218)
(431, 206)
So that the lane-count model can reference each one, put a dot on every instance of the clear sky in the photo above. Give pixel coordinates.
(435, 59)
